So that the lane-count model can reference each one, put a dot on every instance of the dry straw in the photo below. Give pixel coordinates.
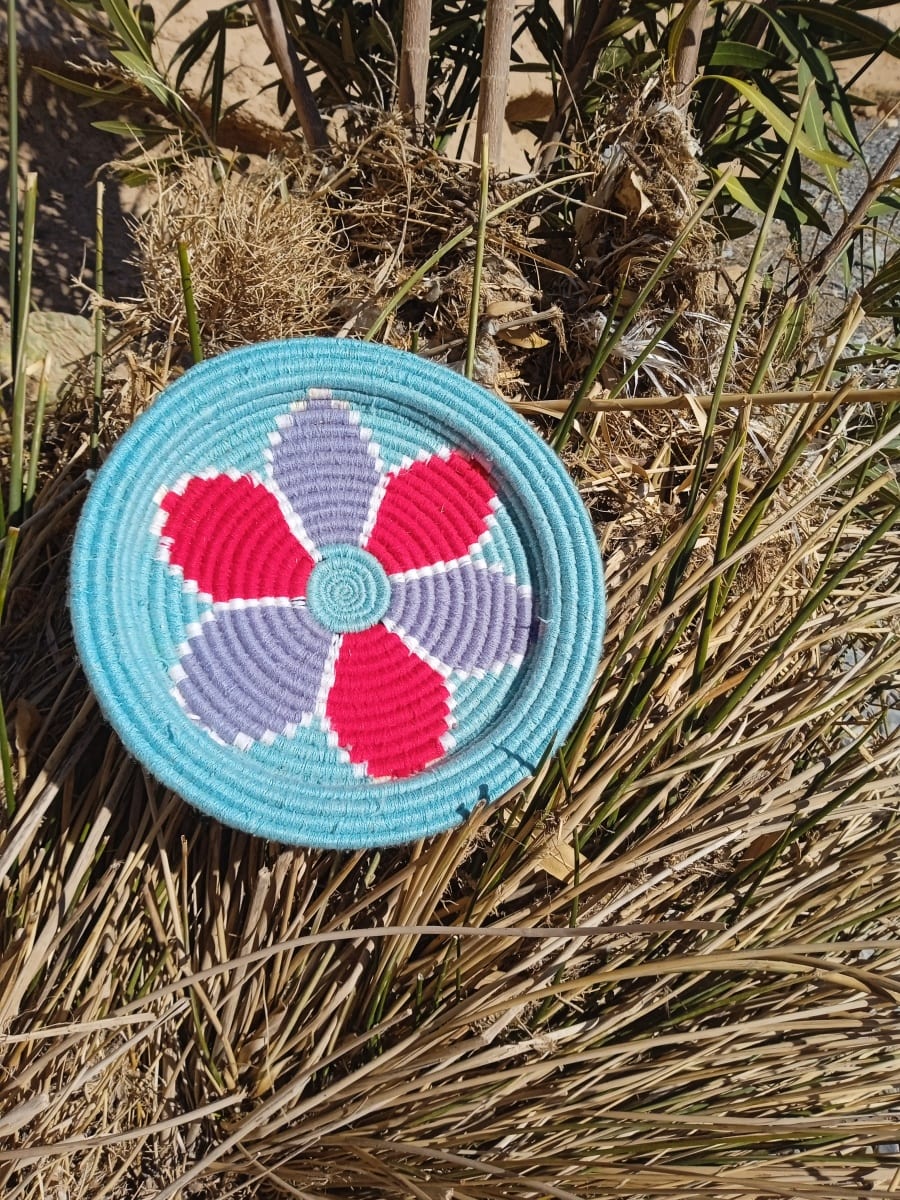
(710, 863)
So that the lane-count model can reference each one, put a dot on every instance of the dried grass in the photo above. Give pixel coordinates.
(265, 256)
(668, 967)
(383, 206)
(289, 247)
(644, 174)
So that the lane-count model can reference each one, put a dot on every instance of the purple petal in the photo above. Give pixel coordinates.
(468, 617)
(324, 463)
(253, 671)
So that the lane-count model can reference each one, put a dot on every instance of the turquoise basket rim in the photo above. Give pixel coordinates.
(113, 629)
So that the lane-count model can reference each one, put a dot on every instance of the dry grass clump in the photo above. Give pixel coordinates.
(397, 201)
(297, 245)
(646, 173)
(641, 194)
(267, 260)
(293, 246)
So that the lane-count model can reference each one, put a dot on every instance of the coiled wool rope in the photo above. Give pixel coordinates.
(336, 595)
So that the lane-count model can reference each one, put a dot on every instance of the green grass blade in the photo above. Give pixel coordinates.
(652, 343)
(481, 233)
(402, 292)
(9, 550)
(37, 431)
(13, 160)
(190, 307)
(17, 448)
(9, 786)
(97, 404)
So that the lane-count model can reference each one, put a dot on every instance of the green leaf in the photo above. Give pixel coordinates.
(820, 68)
(125, 129)
(739, 192)
(739, 54)
(233, 107)
(91, 92)
(174, 11)
(146, 74)
(218, 82)
(781, 122)
(814, 121)
(619, 28)
(348, 53)
(755, 195)
(147, 22)
(871, 36)
(839, 102)
(887, 205)
(128, 28)
(193, 48)
(735, 227)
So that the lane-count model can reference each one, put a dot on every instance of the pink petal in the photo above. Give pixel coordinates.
(229, 538)
(431, 512)
(388, 708)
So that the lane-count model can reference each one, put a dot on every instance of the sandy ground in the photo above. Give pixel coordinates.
(59, 142)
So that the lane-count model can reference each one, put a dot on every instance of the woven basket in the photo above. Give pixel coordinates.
(335, 595)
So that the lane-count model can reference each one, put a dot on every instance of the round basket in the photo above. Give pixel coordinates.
(335, 595)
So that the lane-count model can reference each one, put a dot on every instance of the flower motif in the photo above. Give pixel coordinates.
(338, 593)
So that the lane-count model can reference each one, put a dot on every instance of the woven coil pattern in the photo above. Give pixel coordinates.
(336, 595)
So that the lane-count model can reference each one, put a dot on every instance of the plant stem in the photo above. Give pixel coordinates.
(187, 289)
(727, 400)
(414, 52)
(495, 75)
(98, 329)
(271, 24)
(589, 38)
(13, 161)
(37, 430)
(18, 353)
(687, 51)
(775, 339)
(816, 270)
(9, 787)
(475, 298)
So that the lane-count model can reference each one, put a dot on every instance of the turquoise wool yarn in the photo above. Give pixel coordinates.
(335, 595)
